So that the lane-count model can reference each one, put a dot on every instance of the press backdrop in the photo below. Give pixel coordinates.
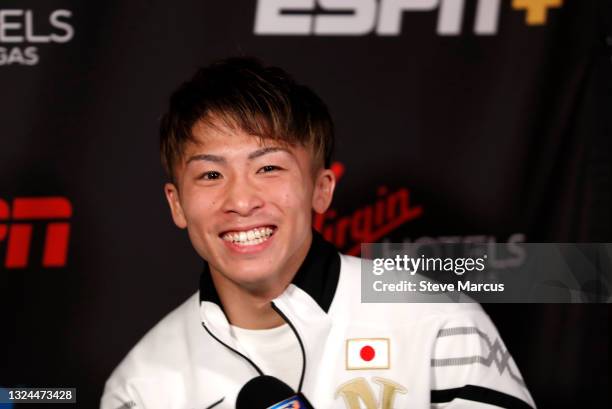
(478, 120)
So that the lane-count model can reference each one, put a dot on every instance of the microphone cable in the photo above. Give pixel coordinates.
(253, 364)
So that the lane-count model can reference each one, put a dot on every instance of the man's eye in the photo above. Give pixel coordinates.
(269, 168)
(210, 175)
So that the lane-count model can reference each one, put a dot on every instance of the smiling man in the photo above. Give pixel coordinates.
(247, 151)
(246, 203)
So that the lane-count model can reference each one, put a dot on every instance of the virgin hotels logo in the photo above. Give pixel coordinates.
(16, 226)
(23, 30)
(368, 223)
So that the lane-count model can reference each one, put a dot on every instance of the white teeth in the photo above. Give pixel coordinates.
(250, 237)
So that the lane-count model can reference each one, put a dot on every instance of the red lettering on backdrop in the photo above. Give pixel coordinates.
(4, 214)
(368, 223)
(20, 234)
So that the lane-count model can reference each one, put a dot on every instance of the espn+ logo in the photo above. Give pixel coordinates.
(20, 29)
(16, 227)
(384, 17)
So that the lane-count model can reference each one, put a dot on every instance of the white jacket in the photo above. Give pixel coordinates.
(436, 355)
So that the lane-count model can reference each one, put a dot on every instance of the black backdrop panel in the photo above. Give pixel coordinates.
(479, 120)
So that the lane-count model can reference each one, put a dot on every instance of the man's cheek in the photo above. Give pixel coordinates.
(287, 193)
(199, 207)
(198, 242)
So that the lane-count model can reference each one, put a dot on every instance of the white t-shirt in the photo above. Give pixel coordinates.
(275, 351)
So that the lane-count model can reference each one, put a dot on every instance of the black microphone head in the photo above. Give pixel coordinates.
(262, 392)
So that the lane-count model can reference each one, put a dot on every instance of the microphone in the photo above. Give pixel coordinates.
(268, 392)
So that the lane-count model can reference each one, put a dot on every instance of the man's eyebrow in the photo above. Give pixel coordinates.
(220, 159)
(207, 157)
(264, 151)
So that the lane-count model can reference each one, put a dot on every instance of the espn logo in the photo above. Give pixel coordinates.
(384, 17)
(18, 233)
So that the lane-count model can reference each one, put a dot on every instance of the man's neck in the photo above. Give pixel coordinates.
(247, 310)
(251, 308)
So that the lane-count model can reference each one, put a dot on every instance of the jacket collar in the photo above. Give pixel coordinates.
(317, 276)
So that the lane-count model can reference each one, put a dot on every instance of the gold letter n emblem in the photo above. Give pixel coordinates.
(359, 389)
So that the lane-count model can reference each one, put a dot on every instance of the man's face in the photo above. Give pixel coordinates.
(247, 205)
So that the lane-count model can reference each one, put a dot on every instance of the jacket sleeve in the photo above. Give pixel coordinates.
(142, 393)
(472, 368)
(120, 397)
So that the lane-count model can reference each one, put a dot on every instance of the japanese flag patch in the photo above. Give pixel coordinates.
(367, 353)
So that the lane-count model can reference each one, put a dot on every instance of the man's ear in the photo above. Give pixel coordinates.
(325, 183)
(172, 195)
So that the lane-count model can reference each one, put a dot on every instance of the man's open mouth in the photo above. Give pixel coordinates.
(250, 237)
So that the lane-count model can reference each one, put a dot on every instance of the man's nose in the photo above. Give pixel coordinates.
(242, 198)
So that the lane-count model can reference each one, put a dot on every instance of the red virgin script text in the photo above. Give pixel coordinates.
(369, 223)
(18, 233)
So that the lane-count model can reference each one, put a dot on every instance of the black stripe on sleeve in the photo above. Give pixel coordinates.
(479, 394)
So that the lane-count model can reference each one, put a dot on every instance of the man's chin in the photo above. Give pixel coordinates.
(261, 284)
(251, 272)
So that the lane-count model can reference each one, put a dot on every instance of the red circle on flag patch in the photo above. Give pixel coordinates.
(367, 353)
